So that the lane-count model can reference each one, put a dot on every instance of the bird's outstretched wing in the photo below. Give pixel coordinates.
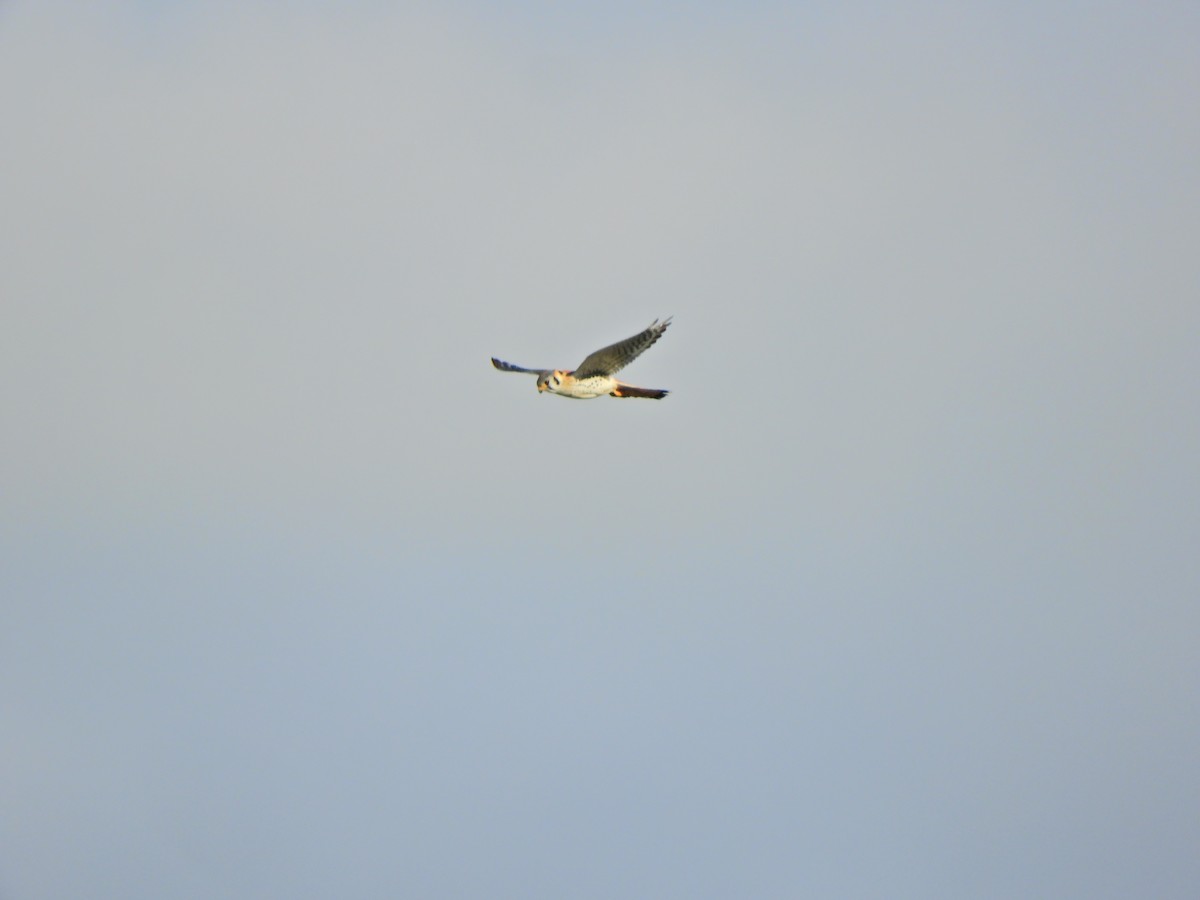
(509, 367)
(613, 358)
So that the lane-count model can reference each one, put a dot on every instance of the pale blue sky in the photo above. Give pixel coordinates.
(894, 596)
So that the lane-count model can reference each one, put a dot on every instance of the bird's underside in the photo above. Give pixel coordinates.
(594, 376)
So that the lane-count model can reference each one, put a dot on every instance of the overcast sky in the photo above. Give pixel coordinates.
(894, 596)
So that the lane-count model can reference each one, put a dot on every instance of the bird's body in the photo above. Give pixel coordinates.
(594, 376)
(567, 385)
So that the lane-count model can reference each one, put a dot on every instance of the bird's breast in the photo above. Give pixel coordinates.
(586, 388)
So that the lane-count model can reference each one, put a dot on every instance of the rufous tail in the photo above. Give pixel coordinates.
(628, 390)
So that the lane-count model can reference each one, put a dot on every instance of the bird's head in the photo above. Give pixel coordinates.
(549, 381)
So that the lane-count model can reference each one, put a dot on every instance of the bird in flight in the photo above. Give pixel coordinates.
(594, 376)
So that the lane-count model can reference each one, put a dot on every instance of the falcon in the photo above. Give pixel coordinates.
(594, 376)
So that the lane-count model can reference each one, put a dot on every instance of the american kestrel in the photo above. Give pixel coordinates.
(594, 376)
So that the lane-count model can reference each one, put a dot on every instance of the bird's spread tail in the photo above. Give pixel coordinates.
(627, 390)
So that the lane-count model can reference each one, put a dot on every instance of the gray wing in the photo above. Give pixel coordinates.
(617, 356)
(509, 367)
